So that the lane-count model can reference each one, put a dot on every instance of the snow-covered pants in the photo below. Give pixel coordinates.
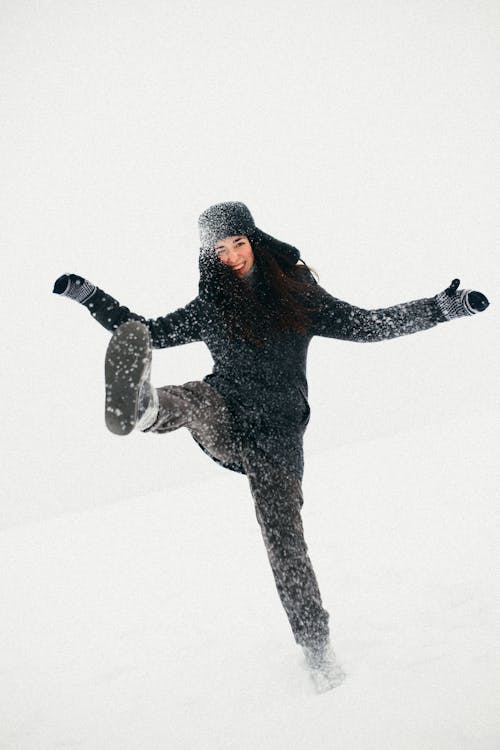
(277, 495)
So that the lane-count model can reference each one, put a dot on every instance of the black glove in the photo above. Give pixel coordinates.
(74, 287)
(455, 302)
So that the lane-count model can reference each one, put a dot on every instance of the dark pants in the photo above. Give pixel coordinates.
(277, 494)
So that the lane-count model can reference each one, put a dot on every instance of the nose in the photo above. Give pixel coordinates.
(232, 257)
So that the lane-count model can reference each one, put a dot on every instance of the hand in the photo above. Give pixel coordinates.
(455, 302)
(75, 287)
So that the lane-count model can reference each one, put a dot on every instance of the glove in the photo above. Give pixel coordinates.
(74, 287)
(455, 302)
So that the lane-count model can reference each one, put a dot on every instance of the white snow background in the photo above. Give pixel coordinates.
(137, 606)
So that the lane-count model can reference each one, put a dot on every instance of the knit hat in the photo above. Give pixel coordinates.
(224, 220)
(229, 219)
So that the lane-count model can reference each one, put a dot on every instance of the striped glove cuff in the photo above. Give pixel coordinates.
(455, 302)
(456, 306)
(74, 287)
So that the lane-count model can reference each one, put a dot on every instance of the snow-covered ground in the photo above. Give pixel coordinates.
(137, 605)
(153, 622)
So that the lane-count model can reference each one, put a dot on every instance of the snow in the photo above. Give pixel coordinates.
(137, 605)
(153, 621)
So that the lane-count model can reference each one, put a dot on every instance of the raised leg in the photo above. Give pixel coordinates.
(198, 406)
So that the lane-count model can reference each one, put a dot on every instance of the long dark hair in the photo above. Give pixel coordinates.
(280, 299)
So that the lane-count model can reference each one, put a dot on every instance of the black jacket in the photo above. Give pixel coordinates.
(265, 388)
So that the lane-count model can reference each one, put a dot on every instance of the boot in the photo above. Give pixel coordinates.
(131, 401)
(326, 673)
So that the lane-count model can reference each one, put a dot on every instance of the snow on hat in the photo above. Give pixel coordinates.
(224, 220)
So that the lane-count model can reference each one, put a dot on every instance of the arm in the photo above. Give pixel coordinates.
(179, 327)
(341, 320)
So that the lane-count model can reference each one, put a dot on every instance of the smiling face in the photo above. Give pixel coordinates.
(236, 252)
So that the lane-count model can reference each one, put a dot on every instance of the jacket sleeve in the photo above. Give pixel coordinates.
(340, 320)
(179, 327)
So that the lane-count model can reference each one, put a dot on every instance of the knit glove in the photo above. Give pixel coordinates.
(455, 302)
(75, 287)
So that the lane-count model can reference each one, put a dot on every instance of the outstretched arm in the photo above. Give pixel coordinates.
(179, 327)
(339, 319)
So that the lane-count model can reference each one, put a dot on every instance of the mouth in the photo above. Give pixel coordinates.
(239, 268)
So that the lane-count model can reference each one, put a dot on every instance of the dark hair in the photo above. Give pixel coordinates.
(279, 300)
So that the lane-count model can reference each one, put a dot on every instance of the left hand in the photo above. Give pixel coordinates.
(455, 302)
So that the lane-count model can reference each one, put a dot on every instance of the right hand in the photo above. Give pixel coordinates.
(75, 287)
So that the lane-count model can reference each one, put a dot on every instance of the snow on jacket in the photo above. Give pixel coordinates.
(265, 388)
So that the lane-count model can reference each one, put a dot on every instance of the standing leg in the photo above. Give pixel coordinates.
(278, 501)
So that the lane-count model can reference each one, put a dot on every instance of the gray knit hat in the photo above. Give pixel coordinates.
(224, 220)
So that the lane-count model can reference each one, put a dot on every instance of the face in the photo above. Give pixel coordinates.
(236, 252)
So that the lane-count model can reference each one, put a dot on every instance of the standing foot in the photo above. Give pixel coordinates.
(324, 669)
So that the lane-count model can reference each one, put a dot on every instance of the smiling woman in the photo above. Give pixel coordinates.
(257, 309)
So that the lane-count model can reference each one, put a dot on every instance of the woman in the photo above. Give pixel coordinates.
(257, 309)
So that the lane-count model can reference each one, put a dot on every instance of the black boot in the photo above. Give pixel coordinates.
(131, 401)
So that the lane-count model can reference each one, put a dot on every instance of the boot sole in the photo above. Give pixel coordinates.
(127, 359)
